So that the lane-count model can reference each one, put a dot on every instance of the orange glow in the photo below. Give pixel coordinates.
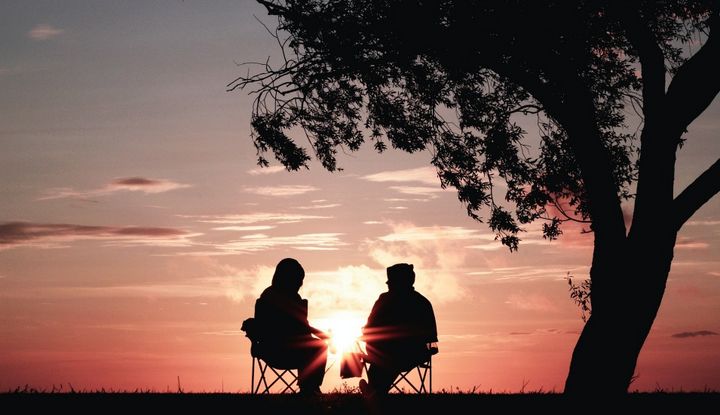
(344, 330)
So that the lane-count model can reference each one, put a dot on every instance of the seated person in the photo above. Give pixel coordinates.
(285, 337)
(398, 330)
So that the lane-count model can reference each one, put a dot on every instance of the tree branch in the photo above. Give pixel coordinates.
(273, 8)
(652, 60)
(697, 82)
(696, 194)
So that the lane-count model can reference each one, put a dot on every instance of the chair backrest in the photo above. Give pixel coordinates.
(268, 375)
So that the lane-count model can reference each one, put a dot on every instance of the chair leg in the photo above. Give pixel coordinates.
(424, 374)
(252, 377)
(430, 368)
(260, 383)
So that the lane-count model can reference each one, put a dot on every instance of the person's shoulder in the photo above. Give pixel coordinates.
(421, 298)
(267, 292)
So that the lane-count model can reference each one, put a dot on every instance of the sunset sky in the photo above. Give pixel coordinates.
(136, 230)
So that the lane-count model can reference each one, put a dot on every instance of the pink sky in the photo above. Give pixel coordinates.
(136, 231)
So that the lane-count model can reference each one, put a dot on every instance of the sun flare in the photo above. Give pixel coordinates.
(344, 330)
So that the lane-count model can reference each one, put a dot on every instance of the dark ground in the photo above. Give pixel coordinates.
(440, 404)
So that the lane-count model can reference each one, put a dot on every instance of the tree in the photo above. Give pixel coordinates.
(454, 78)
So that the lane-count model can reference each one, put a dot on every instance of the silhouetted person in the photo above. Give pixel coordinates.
(398, 330)
(285, 336)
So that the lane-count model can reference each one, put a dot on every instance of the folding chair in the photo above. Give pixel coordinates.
(419, 378)
(270, 378)
(288, 378)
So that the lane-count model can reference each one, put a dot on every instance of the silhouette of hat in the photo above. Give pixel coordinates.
(401, 274)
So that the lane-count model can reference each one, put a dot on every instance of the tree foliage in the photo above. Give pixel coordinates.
(455, 78)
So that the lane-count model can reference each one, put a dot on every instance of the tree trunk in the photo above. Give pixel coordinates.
(623, 312)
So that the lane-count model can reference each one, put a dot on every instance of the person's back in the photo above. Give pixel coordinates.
(281, 316)
(284, 334)
(399, 327)
(398, 330)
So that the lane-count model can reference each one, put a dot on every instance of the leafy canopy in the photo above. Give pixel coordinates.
(454, 78)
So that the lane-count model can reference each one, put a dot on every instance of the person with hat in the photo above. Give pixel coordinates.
(398, 331)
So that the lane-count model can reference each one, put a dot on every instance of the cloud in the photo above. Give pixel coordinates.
(50, 235)
(281, 191)
(253, 218)
(349, 289)
(142, 184)
(537, 332)
(409, 233)
(688, 243)
(44, 32)
(426, 175)
(428, 192)
(266, 170)
(532, 273)
(373, 222)
(319, 206)
(703, 223)
(262, 242)
(436, 252)
(128, 184)
(244, 228)
(689, 334)
(531, 302)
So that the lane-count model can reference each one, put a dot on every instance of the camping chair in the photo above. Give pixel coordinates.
(269, 376)
(418, 377)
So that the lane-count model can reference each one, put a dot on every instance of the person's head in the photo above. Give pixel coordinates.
(400, 276)
(289, 275)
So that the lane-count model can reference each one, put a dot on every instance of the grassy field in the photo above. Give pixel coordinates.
(350, 403)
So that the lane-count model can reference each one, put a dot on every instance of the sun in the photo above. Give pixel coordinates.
(344, 330)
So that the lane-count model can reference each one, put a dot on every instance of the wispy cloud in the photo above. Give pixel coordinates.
(408, 233)
(428, 192)
(44, 32)
(526, 238)
(196, 288)
(425, 175)
(372, 222)
(125, 184)
(531, 273)
(688, 243)
(319, 206)
(262, 242)
(689, 334)
(256, 217)
(244, 228)
(281, 191)
(52, 235)
(266, 170)
(703, 223)
(531, 302)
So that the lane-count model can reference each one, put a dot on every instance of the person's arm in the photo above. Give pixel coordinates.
(319, 333)
(369, 330)
(431, 324)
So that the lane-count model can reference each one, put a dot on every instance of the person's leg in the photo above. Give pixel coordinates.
(381, 378)
(311, 366)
